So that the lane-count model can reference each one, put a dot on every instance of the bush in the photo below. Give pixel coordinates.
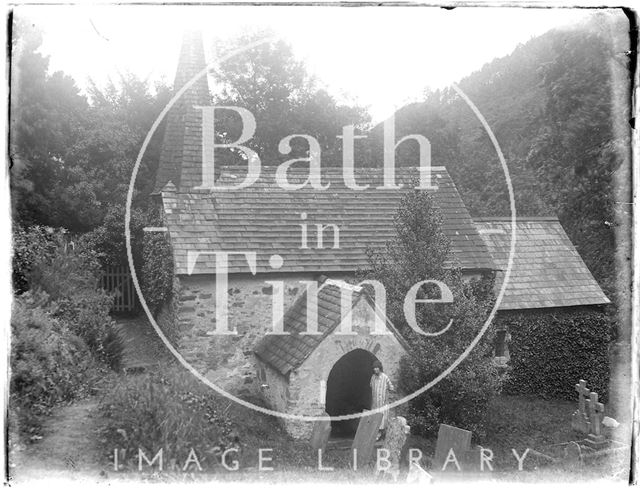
(87, 315)
(462, 398)
(49, 363)
(29, 245)
(157, 271)
(167, 318)
(151, 252)
(421, 251)
(551, 351)
(108, 240)
(69, 275)
(170, 411)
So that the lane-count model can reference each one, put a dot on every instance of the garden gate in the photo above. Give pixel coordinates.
(117, 280)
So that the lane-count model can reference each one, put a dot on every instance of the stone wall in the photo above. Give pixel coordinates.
(274, 386)
(227, 360)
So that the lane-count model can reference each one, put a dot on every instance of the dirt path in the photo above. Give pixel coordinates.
(144, 349)
(68, 448)
(70, 445)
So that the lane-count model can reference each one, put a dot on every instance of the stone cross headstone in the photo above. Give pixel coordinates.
(583, 394)
(395, 438)
(450, 438)
(365, 439)
(580, 419)
(595, 410)
(321, 432)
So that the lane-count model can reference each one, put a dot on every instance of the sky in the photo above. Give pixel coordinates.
(380, 57)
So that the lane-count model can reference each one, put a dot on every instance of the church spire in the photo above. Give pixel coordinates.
(181, 152)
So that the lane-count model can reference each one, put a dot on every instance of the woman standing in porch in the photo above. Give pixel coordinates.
(381, 385)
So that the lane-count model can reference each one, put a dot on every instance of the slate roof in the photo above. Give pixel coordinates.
(286, 353)
(267, 219)
(547, 269)
(181, 151)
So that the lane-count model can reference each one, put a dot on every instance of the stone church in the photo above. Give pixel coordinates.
(303, 374)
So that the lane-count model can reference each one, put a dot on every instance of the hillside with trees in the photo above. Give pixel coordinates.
(558, 106)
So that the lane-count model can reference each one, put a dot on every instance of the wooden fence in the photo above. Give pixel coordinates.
(117, 280)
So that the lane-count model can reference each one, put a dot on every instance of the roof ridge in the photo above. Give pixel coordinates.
(332, 169)
(518, 219)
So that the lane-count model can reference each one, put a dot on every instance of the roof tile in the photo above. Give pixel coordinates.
(266, 219)
(547, 270)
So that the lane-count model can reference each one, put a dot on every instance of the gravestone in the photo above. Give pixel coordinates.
(321, 432)
(450, 437)
(595, 410)
(397, 432)
(365, 439)
(580, 419)
(573, 452)
(418, 475)
(588, 418)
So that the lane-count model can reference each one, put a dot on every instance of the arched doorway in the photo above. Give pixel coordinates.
(348, 390)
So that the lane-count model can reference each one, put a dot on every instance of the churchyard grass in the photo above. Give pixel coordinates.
(525, 421)
(515, 422)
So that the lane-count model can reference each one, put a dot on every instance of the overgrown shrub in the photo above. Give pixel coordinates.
(551, 351)
(29, 244)
(151, 251)
(421, 251)
(69, 275)
(462, 398)
(167, 317)
(157, 271)
(87, 314)
(109, 242)
(49, 363)
(167, 410)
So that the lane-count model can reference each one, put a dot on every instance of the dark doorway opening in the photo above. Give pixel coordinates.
(348, 390)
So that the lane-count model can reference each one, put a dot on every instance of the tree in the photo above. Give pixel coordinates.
(558, 106)
(420, 251)
(575, 151)
(71, 159)
(268, 81)
(47, 114)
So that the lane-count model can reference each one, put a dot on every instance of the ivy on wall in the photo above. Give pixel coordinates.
(157, 268)
(167, 317)
(551, 351)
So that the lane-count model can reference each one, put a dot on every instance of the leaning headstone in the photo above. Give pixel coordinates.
(397, 432)
(365, 439)
(321, 432)
(580, 419)
(450, 438)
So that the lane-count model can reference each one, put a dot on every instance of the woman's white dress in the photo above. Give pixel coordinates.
(380, 386)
